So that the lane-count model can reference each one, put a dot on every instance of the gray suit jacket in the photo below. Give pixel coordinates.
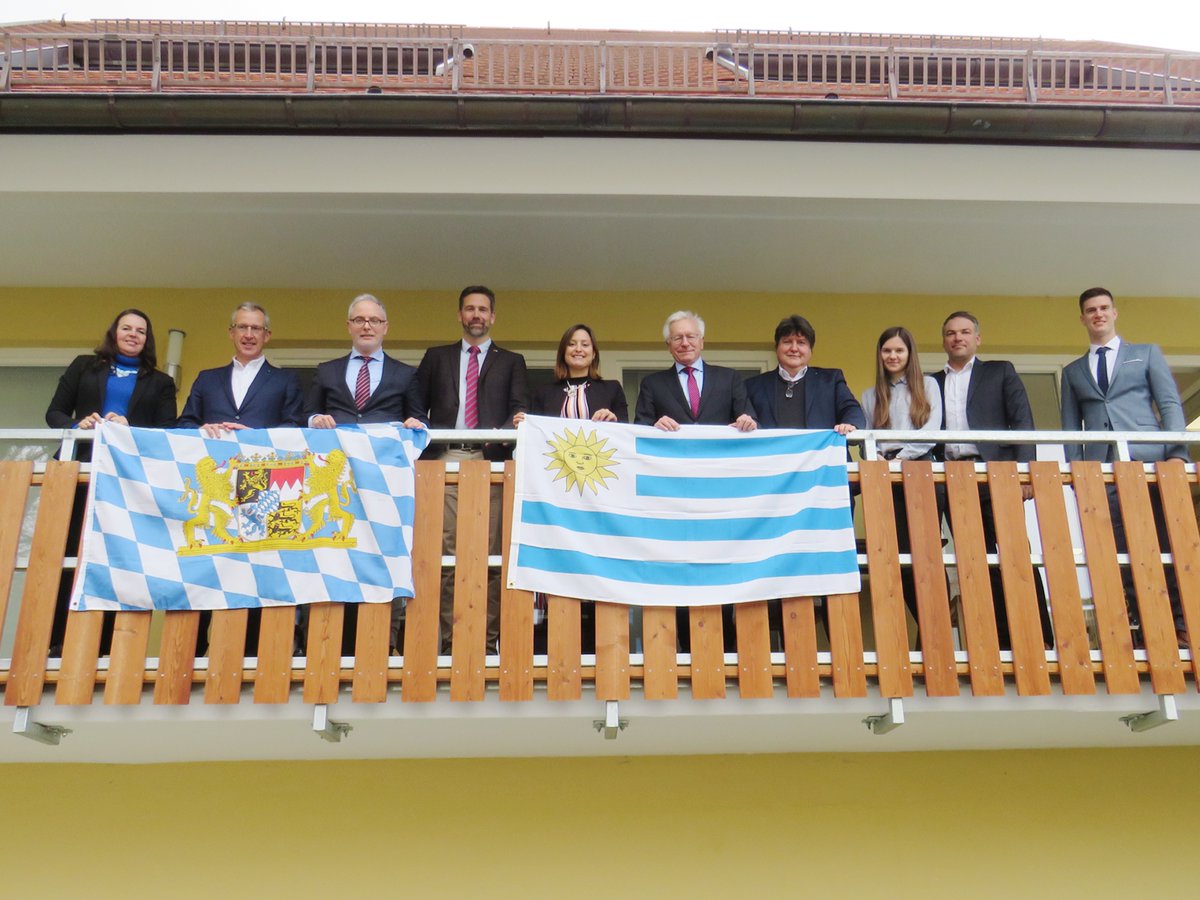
(1141, 397)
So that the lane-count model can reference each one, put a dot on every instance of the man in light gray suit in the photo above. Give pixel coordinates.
(1119, 386)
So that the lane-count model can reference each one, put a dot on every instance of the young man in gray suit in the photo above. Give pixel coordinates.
(1119, 386)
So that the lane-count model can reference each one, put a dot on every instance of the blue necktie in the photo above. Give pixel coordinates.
(1102, 370)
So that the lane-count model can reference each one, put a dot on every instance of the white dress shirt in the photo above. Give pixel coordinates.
(958, 383)
(243, 376)
(900, 419)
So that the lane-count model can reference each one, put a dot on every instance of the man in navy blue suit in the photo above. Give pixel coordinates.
(797, 395)
(247, 393)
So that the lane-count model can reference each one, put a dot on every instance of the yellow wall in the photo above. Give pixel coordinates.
(1076, 823)
(847, 325)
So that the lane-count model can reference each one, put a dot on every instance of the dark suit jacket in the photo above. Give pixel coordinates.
(827, 399)
(722, 398)
(82, 387)
(395, 400)
(601, 394)
(272, 401)
(996, 401)
(503, 392)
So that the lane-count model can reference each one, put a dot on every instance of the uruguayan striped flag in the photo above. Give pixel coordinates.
(702, 516)
(272, 517)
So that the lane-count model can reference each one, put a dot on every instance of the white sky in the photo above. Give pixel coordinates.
(1173, 24)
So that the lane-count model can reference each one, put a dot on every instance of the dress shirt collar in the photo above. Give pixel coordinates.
(483, 348)
(950, 370)
(697, 367)
(1114, 345)
(253, 366)
(783, 373)
(378, 354)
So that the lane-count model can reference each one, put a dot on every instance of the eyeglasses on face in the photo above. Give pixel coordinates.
(248, 329)
(680, 338)
(360, 321)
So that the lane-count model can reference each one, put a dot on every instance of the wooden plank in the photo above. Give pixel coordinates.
(276, 638)
(929, 579)
(516, 612)
(753, 650)
(1108, 594)
(469, 637)
(1149, 580)
(708, 653)
(887, 591)
(660, 676)
(1020, 598)
(612, 651)
(1066, 605)
(323, 655)
(974, 584)
(846, 646)
(419, 680)
(176, 658)
(1180, 516)
(226, 656)
(371, 645)
(800, 647)
(15, 478)
(81, 647)
(127, 663)
(31, 644)
(564, 679)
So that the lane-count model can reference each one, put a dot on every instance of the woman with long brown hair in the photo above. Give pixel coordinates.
(903, 399)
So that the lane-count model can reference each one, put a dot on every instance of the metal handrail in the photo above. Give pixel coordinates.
(311, 62)
(868, 438)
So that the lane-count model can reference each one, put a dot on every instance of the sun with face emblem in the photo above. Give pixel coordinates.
(581, 459)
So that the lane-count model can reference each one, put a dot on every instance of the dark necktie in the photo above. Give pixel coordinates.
(362, 386)
(471, 402)
(1102, 369)
(693, 391)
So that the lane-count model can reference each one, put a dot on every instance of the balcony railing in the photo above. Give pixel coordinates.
(959, 647)
(443, 61)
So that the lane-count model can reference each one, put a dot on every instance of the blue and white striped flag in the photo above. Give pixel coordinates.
(702, 516)
(273, 517)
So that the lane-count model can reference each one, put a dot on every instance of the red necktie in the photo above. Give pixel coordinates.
(693, 391)
(471, 403)
(362, 386)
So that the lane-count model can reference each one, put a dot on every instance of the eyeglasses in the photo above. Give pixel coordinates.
(359, 322)
(248, 329)
(680, 338)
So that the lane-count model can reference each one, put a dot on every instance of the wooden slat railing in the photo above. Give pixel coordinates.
(959, 647)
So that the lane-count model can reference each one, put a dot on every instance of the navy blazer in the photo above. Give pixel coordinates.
(272, 401)
(996, 401)
(722, 398)
(394, 400)
(827, 399)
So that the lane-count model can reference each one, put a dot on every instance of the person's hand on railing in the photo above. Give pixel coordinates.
(744, 423)
(844, 428)
(604, 415)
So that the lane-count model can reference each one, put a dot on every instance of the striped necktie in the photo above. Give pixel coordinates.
(362, 386)
(471, 402)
